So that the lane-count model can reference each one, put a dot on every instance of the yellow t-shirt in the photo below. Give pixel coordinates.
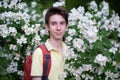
(57, 62)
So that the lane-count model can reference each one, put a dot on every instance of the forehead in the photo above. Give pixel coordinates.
(56, 18)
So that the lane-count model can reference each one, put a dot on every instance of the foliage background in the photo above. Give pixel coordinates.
(22, 29)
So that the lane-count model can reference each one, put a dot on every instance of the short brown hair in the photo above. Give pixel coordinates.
(56, 10)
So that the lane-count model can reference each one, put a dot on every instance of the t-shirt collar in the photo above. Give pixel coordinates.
(49, 46)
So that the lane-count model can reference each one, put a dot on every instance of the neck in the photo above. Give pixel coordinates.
(57, 44)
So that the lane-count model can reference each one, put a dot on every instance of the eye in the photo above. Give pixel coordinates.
(53, 23)
(63, 23)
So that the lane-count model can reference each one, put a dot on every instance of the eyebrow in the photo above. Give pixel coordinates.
(55, 21)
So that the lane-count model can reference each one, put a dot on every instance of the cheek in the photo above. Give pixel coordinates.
(51, 30)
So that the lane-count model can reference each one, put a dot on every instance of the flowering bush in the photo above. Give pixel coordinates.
(20, 32)
(94, 42)
(93, 37)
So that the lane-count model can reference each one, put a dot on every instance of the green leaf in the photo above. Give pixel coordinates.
(47, 3)
(22, 22)
(103, 33)
(106, 43)
(98, 45)
(1, 21)
(117, 57)
(109, 67)
(113, 35)
(69, 4)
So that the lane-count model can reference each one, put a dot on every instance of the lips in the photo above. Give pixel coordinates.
(58, 34)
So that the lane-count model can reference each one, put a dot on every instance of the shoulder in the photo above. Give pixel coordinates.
(37, 51)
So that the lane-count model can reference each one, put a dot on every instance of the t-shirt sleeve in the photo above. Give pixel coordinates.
(37, 63)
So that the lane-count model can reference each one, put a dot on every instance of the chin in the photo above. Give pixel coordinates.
(58, 38)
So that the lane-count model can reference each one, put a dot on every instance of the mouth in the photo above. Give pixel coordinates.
(58, 34)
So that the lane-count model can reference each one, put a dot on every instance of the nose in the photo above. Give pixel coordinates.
(58, 27)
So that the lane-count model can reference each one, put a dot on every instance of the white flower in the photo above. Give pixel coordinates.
(36, 40)
(37, 26)
(13, 3)
(71, 32)
(100, 59)
(98, 14)
(13, 31)
(118, 34)
(13, 47)
(15, 16)
(63, 76)
(43, 32)
(105, 9)
(118, 29)
(25, 27)
(113, 50)
(99, 70)
(118, 65)
(17, 57)
(12, 67)
(117, 45)
(79, 44)
(87, 67)
(68, 39)
(115, 21)
(33, 4)
(5, 31)
(21, 73)
(71, 54)
(111, 75)
(35, 16)
(44, 12)
(93, 5)
(87, 77)
(0, 4)
(7, 56)
(91, 34)
(75, 14)
(76, 72)
(5, 3)
(89, 15)
(81, 10)
(22, 6)
(114, 63)
(60, 3)
(110, 24)
(28, 30)
(72, 22)
(22, 40)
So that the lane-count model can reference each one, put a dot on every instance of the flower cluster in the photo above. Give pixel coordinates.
(93, 39)
(100, 59)
(21, 30)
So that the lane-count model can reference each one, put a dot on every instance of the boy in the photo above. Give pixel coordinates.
(56, 21)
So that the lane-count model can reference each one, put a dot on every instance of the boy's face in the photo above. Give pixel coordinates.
(57, 27)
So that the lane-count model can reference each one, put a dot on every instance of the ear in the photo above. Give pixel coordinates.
(47, 27)
(66, 27)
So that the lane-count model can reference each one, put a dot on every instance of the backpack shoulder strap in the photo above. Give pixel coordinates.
(46, 60)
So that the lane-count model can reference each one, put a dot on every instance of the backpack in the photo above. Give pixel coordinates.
(46, 64)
